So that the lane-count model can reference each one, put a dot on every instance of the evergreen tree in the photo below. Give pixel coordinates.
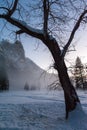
(26, 87)
(4, 83)
(79, 73)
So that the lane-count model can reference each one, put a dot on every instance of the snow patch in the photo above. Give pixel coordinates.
(28, 27)
(35, 110)
(77, 118)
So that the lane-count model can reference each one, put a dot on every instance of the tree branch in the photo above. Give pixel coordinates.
(2, 16)
(4, 8)
(19, 32)
(13, 8)
(24, 28)
(73, 33)
(46, 13)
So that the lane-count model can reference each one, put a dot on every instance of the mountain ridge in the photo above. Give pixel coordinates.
(22, 70)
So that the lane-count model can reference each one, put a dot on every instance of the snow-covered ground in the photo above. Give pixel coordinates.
(32, 110)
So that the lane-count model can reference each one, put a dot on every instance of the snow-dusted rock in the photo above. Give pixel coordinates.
(21, 69)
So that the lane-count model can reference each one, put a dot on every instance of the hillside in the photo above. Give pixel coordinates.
(22, 70)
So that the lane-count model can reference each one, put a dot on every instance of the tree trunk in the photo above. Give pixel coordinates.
(71, 97)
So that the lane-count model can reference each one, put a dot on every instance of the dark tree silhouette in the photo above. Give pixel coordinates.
(53, 14)
(4, 82)
(26, 86)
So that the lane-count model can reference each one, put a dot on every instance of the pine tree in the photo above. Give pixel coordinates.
(79, 73)
(4, 82)
(26, 87)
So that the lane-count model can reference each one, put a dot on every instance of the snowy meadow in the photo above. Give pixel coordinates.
(37, 110)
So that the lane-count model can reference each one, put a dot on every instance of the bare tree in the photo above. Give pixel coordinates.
(55, 17)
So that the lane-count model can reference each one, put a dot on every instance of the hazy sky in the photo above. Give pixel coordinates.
(35, 50)
(39, 53)
(80, 47)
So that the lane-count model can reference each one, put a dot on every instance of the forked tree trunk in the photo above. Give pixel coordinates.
(71, 97)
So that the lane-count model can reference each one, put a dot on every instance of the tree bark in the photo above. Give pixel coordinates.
(71, 97)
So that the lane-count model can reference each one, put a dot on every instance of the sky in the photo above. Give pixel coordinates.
(35, 50)
(39, 53)
(80, 48)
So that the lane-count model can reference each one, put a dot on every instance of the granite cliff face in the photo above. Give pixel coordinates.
(22, 70)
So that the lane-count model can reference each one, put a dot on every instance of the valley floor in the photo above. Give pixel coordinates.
(32, 110)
